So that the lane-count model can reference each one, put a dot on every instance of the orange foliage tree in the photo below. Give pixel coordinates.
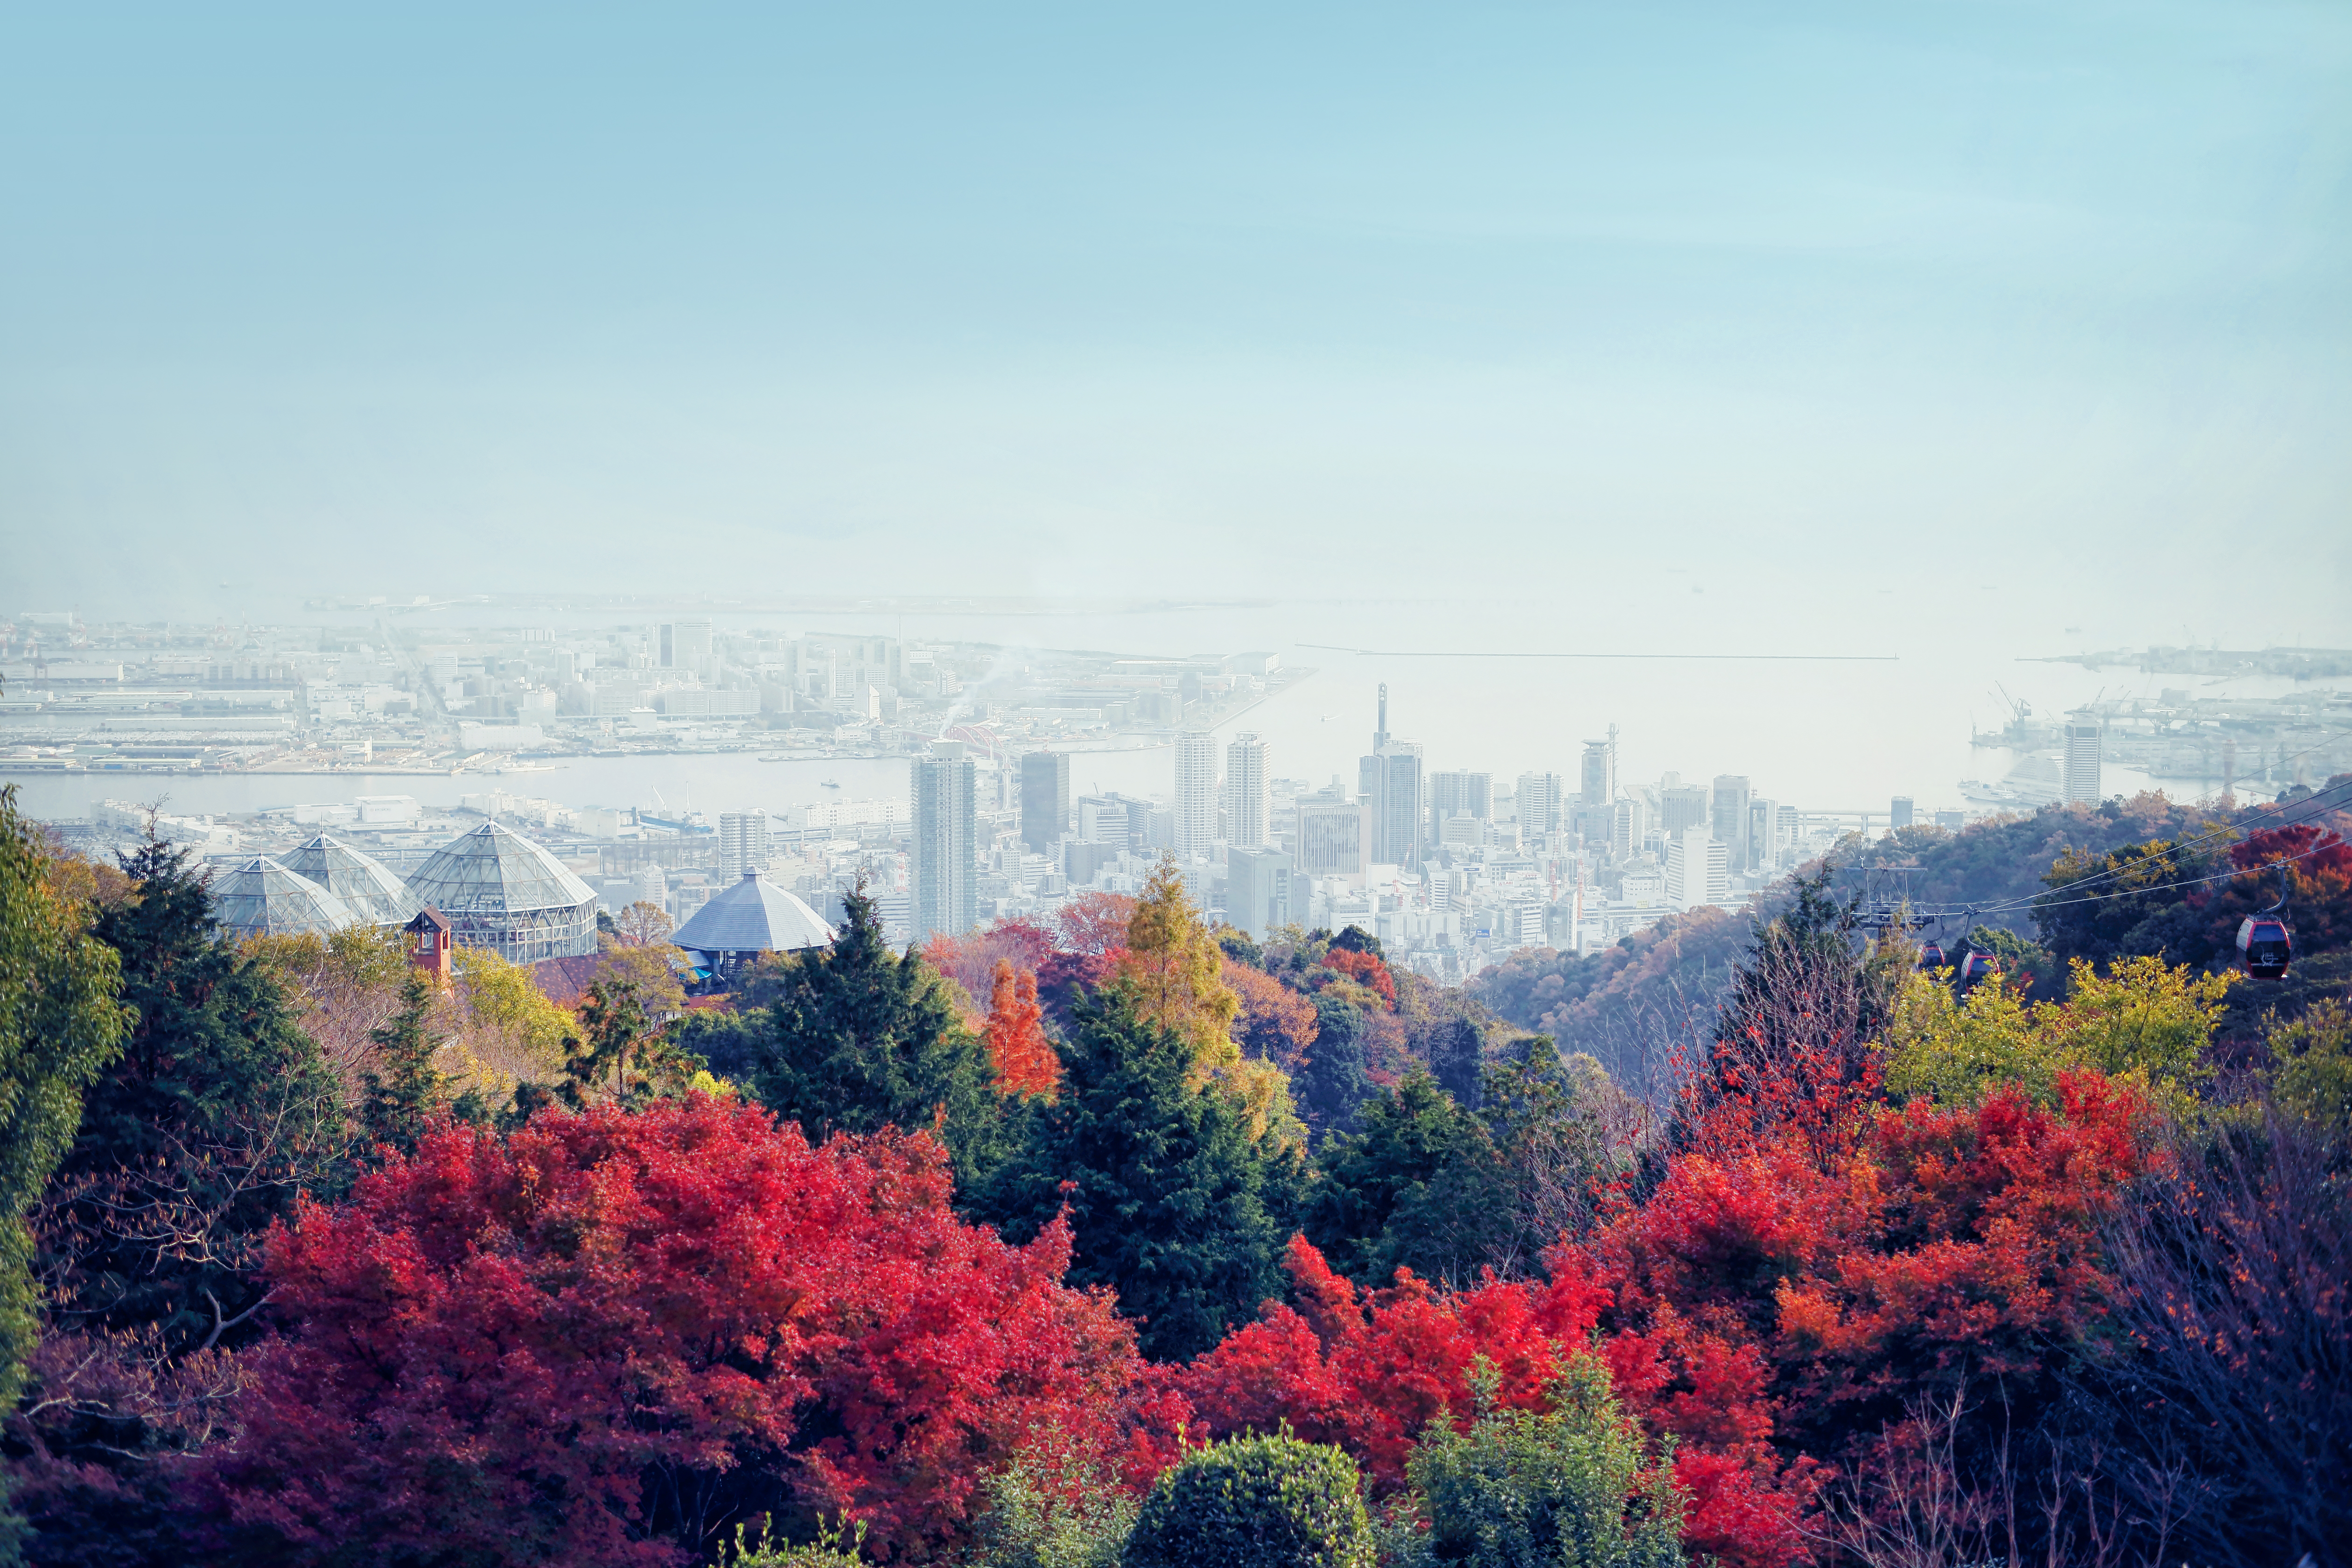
(1276, 1024)
(1025, 1059)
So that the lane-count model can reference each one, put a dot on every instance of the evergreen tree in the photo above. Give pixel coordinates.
(1389, 1195)
(59, 1025)
(859, 1038)
(1334, 1081)
(1173, 1202)
(402, 1087)
(198, 1134)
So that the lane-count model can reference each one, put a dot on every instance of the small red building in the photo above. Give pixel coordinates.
(430, 938)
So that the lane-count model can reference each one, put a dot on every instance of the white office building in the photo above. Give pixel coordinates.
(1196, 794)
(1246, 800)
(2083, 736)
(1629, 825)
(1698, 869)
(742, 843)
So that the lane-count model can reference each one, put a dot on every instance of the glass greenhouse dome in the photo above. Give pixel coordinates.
(370, 891)
(262, 897)
(501, 891)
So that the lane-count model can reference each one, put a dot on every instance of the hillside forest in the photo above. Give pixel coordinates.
(1123, 1239)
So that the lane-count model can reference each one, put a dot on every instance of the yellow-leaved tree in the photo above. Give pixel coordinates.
(2144, 1021)
(506, 1022)
(1177, 971)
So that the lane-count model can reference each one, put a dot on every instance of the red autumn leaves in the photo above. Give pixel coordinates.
(497, 1342)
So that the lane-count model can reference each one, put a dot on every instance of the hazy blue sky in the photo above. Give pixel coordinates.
(1330, 299)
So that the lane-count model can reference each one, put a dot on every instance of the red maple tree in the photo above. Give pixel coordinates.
(547, 1348)
(1812, 1260)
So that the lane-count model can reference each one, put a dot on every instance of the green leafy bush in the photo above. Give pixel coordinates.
(2311, 1064)
(1054, 1507)
(836, 1546)
(1567, 1488)
(1255, 1502)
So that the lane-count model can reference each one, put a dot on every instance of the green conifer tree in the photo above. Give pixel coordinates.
(1172, 1202)
(1411, 1188)
(859, 1038)
(199, 1133)
(402, 1087)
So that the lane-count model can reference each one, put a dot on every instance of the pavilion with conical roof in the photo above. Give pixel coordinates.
(754, 916)
(500, 890)
(262, 897)
(368, 890)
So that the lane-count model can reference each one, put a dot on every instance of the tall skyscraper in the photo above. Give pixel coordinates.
(1258, 890)
(1196, 794)
(1044, 799)
(742, 843)
(1456, 794)
(946, 860)
(1900, 813)
(1246, 792)
(1731, 816)
(1600, 776)
(1540, 804)
(1394, 789)
(2082, 735)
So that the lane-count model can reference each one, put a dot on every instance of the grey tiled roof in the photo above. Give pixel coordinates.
(753, 916)
(262, 897)
(370, 891)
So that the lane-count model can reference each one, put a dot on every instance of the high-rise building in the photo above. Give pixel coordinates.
(1246, 792)
(1196, 794)
(1629, 825)
(1258, 890)
(1330, 837)
(685, 645)
(2083, 736)
(1729, 816)
(1044, 799)
(945, 897)
(1899, 814)
(1600, 776)
(1680, 806)
(1696, 868)
(1768, 828)
(1453, 794)
(1539, 802)
(1103, 819)
(742, 843)
(1394, 789)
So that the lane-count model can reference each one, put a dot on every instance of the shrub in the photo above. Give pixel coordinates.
(1056, 1505)
(1564, 1488)
(836, 1546)
(1267, 1502)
